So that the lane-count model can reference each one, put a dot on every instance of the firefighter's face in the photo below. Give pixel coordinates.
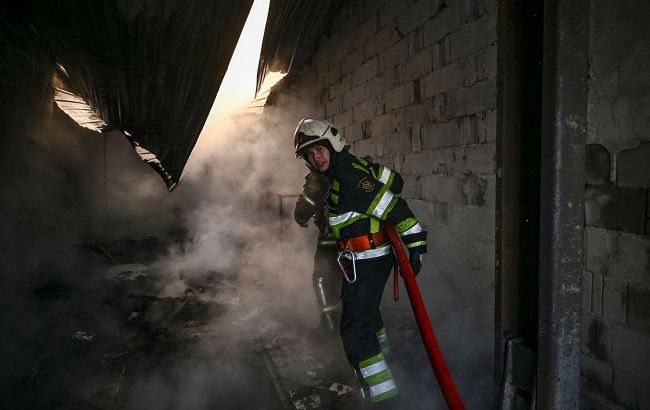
(319, 158)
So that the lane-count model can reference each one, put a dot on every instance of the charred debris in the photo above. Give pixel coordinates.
(107, 340)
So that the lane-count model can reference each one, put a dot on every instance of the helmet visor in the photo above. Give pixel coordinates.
(302, 142)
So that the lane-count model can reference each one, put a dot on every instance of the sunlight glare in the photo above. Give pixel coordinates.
(238, 85)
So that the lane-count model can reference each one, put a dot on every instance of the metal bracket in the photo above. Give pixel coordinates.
(518, 383)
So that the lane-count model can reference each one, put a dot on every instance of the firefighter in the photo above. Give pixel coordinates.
(326, 278)
(362, 197)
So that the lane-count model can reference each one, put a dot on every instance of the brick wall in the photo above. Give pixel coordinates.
(413, 85)
(616, 349)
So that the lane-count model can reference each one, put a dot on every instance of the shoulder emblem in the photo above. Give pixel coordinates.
(366, 184)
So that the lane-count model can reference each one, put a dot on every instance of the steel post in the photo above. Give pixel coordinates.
(564, 109)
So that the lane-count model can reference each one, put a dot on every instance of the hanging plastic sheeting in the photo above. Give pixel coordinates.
(293, 29)
(152, 68)
(82, 113)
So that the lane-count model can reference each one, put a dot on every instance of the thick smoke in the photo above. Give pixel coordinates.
(236, 184)
(65, 186)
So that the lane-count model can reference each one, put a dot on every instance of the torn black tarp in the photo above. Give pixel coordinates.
(150, 68)
(293, 29)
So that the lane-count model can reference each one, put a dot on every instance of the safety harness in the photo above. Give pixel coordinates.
(372, 245)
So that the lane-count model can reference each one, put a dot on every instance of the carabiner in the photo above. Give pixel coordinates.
(353, 258)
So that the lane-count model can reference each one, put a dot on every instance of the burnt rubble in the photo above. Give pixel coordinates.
(110, 341)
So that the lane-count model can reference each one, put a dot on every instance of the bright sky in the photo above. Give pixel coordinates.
(238, 85)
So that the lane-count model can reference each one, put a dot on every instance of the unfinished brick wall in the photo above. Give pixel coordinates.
(413, 85)
(616, 349)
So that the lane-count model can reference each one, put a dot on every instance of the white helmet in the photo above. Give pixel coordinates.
(311, 132)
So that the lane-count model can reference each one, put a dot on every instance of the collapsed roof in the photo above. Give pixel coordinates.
(293, 29)
(149, 69)
(153, 69)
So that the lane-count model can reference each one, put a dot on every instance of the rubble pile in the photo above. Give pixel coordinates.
(110, 341)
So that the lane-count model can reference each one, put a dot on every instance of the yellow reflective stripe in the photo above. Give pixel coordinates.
(382, 205)
(390, 207)
(382, 175)
(338, 222)
(361, 160)
(374, 225)
(383, 391)
(374, 369)
(379, 197)
(381, 334)
(414, 244)
(417, 228)
(359, 167)
(339, 219)
(385, 174)
(372, 360)
(378, 173)
(336, 186)
(379, 378)
(335, 198)
(405, 224)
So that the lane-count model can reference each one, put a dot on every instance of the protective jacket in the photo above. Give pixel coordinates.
(364, 196)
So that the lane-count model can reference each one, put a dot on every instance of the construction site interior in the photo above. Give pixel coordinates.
(149, 254)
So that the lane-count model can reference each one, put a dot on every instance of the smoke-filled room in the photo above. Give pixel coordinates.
(333, 204)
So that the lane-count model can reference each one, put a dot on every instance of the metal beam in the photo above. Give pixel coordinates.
(564, 112)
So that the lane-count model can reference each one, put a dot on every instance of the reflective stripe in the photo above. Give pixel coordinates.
(383, 204)
(374, 225)
(339, 219)
(414, 229)
(405, 224)
(374, 368)
(359, 167)
(329, 308)
(371, 253)
(382, 388)
(309, 200)
(414, 244)
(385, 173)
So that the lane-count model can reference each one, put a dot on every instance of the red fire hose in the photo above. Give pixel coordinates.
(454, 402)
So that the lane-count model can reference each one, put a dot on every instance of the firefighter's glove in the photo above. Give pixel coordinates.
(316, 188)
(304, 210)
(312, 199)
(415, 259)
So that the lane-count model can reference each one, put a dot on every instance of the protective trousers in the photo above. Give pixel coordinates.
(362, 327)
